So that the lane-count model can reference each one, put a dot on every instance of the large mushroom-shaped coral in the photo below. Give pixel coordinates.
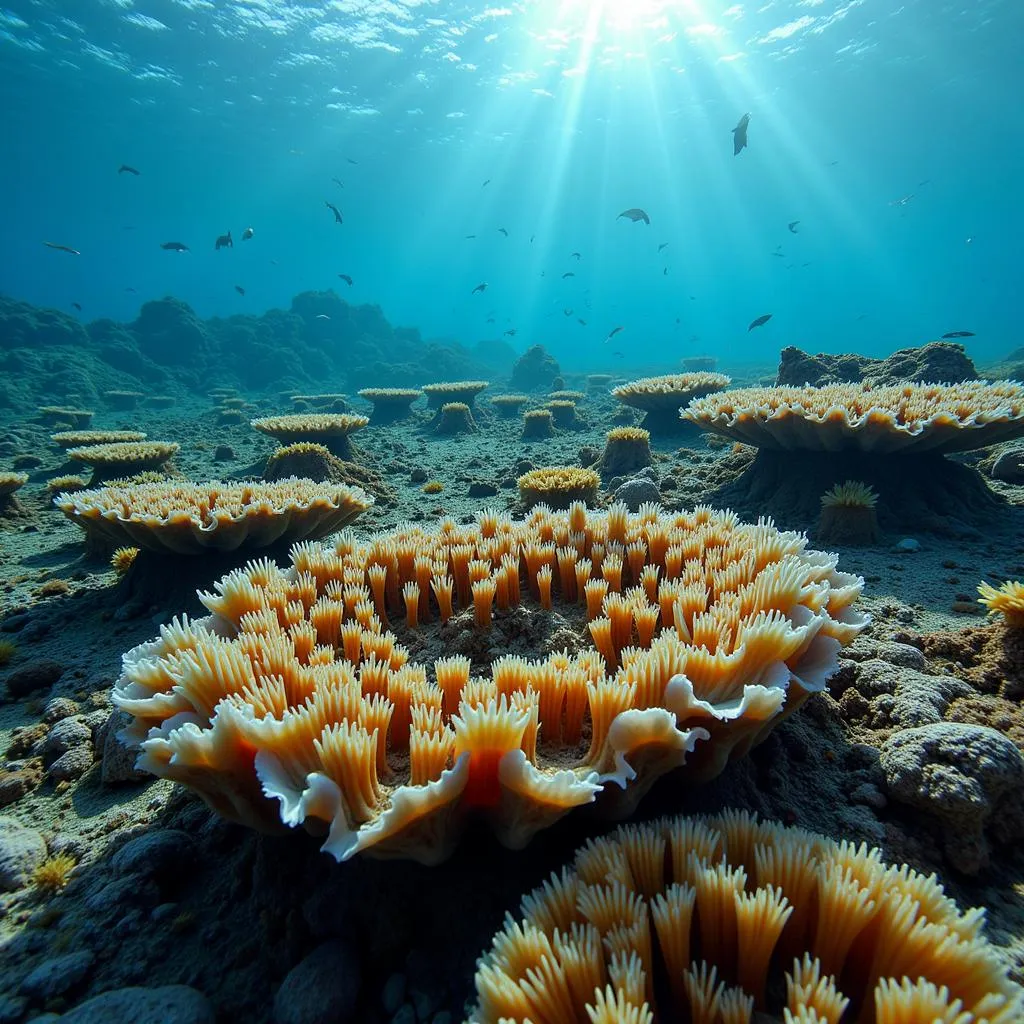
(891, 438)
(661, 398)
(455, 418)
(558, 486)
(537, 423)
(626, 449)
(464, 391)
(293, 704)
(315, 462)
(390, 405)
(9, 483)
(191, 519)
(111, 461)
(332, 430)
(563, 413)
(727, 920)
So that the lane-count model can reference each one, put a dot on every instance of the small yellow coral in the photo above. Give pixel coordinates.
(850, 493)
(66, 483)
(1008, 599)
(558, 486)
(123, 559)
(54, 872)
(433, 487)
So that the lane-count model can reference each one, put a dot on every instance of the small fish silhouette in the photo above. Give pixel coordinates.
(959, 334)
(760, 321)
(635, 214)
(239, 289)
(346, 279)
(62, 248)
(77, 305)
(662, 246)
(247, 234)
(338, 182)
(174, 246)
(739, 135)
(503, 231)
(612, 333)
(322, 316)
(568, 273)
(575, 256)
(567, 312)
(351, 161)
(511, 332)
(469, 236)
(581, 322)
(335, 211)
(127, 169)
(792, 226)
(224, 241)
(481, 287)
(486, 183)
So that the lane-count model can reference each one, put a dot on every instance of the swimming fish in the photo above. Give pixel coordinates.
(322, 316)
(351, 161)
(482, 287)
(575, 256)
(959, 334)
(583, 323)
(239, 289)
(77, 305)
(224, 241)
(338, 182)
(486, 183)
(792, 226)
(490, 320)
(126, 169)
(568, 273)
(903, 200)
(612, 333)
(635, 214)
(567, 312)
(503, 231)
(346, 279)
(739, 135)
(664, 271)
(760, 321)
(662, 246)
(511, 332)
(247, 234)
(62, 248)
(174, 246)
(335, 211)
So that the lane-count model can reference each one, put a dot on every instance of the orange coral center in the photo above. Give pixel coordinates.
(482, 788)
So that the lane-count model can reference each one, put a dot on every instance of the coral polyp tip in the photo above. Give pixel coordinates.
(1006, 600)
(850, 494)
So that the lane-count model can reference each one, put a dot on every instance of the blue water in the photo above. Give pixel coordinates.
(240, 114)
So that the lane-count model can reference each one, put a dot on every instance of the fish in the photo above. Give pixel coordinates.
(335, 211)
(239, 289)
(664, 271)
(618, 355)
(130, 290)
(760, 321)
(127, 169)
(532, 237)
(486, 183)
(322, 316)
(959, 334)
(224, 241)
(575, 256)
(662, 246)
(338, 182)
(62, 248)
(792, 226)
(568, 273)
(581, 322)
(510, 333)
(351, 161)
(781, 255)
(77, 305)
(503, 231)
(346, 279)
(612, 333)
(903, 200)
(739, 135)
(481, 287)
(175, 246)
(567, 312)
(635, 214)
(247, 234)
(491, 320)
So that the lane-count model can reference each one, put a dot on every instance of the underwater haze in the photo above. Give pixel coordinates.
(875, 206)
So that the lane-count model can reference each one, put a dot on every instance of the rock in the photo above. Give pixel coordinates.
(66, 735)
(394, 993)
(870, 795)
(58, 708)
(119, 760)
(482, 489)
(36, 675)
(967, 777)
(418, 475)
(902, 654)
(1009, 467)
(908, 544)
(908, 697)
(588, 456)
(635, 491)
(938, 362)
(22, 850)
(12, 1009)
(14, 784)
(58, 975)
(223, 453)
(535, 369)
(161, 855)
(321, 989)
(71, 765)
(170, 1004)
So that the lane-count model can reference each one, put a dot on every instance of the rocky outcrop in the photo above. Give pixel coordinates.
(938, 362)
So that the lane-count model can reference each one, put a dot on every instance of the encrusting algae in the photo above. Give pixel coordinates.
(706, 632)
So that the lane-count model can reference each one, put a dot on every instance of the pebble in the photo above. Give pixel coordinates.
(12, 1009)
(66, 735)
(58, 708)
(394, 992)
(636, 491)
(1010, 466)
(908, 545)
(171, 1004)
(482, 489)
(164, 853)
(36, 675)
(22, 850)
(58, 975)
(321, 989)
(71, 765)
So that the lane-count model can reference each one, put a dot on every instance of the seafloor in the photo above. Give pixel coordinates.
(166, 893)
